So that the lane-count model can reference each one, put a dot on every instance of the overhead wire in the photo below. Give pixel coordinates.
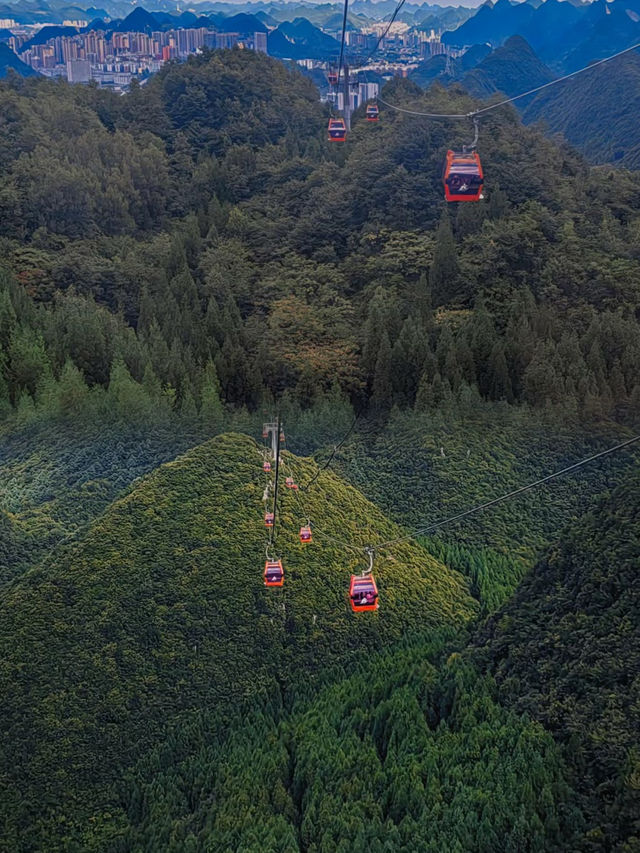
(421, 531)
(383, 36)
(272, 530)
(371, 550)
(315, 531)
(342, 41)
(333, 453)
(502, 103)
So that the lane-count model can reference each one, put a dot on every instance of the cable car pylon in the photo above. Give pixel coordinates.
(273, 569)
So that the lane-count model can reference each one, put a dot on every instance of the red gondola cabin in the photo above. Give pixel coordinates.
(266, 467)
(463, 177)
(372, 112)
(268, 519)
(305, 535)
(290, 483)
(337, 131)
(273, 573)
(332, 77)
(363, 593)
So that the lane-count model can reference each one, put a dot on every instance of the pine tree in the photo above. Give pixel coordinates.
(540, 382)
(498, 203)
(27, 360)
(464, 359)
(383, 317)
(126, 399)
(499, 383)
(443, 274)
(25, 409)
(407, 357)
(211, 410)
(146, 312)
(381, 388)
(73, 394)
(159, 352)
(8, 317)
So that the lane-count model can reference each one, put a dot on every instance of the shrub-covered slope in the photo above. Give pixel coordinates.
(161, 609)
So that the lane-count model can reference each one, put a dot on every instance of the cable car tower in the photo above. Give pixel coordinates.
(273, 431)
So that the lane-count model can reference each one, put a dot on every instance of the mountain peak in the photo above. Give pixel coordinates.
(138, 21)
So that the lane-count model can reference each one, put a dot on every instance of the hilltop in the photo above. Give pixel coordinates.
(299, 39)
(159, 609)
(513, 68)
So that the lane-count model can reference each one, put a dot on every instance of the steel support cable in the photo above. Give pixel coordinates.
(333, 453)
(495, 106)
(421, 531)
(272, 531)
(342, 40)
(313, 524)
(383, 36)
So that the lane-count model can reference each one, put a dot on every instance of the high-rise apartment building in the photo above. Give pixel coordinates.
(78, 70)
(260, 42)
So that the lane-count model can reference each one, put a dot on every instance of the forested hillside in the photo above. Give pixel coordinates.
(234, 242)
(176, 265)
(160, 609)
(598, 112)
(566, 651)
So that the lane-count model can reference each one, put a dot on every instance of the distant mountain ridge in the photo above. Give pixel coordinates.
(300, 39)
(566, 36)
(9, 60)
(598, 111)
(513, 68)
(46, 33)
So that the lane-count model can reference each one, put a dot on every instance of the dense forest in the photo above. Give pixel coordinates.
(176, 264)
(199, 234)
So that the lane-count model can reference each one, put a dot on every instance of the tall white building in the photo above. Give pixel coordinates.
(260, 42)
(78, 70)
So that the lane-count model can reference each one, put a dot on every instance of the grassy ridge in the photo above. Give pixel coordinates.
(160, 609)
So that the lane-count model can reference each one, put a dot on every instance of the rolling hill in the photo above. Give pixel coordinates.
(160, 610)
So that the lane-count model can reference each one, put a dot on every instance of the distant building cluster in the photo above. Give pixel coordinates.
(114, 58)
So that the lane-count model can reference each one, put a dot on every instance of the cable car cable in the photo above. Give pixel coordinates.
(333, 453)
(313, 524)
(382, 37)
(423, 530)
(272, 530)
(342, 41)
(515, 97)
